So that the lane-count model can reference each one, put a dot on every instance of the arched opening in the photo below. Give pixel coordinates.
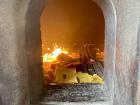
(77, 28)
(77, 31)
(109, 43)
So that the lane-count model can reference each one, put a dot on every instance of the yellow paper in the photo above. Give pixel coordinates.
(66, 76)
(97, 79)
(84, 77)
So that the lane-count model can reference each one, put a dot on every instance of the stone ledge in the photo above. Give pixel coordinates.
(76, 103)
(75, 93)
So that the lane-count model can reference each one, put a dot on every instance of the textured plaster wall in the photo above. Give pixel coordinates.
(123, 50)
(128, 16)
(13, 67)
(138, 84)
(20, 64)
(20, 51)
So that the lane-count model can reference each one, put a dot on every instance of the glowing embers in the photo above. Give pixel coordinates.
(83, 65)
(50, 57)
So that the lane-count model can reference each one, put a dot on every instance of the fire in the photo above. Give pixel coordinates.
(51, 57)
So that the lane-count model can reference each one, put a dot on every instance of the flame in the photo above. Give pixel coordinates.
(51, 57)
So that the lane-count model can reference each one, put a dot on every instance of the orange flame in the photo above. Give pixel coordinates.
(51, 57)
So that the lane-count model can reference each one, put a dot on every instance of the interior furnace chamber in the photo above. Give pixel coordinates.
(73, 34)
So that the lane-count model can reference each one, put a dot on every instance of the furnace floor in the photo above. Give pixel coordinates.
(74, 93)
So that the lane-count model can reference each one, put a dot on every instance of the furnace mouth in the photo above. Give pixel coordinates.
(73, 40)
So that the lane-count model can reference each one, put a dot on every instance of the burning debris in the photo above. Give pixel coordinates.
(51, 57)
(84, 65)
